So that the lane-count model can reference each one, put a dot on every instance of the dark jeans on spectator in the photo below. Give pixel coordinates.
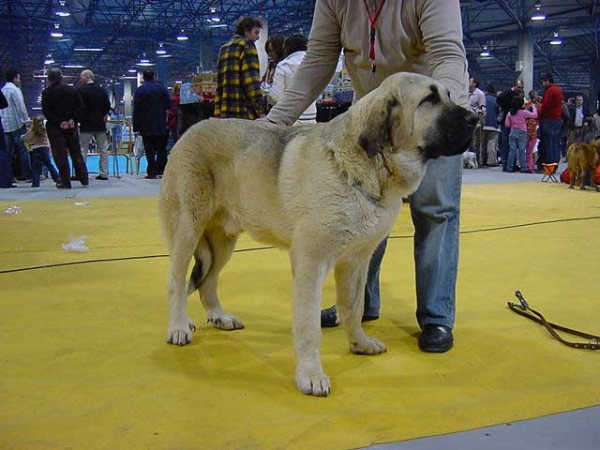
(551, 130)
(41, 157)
(504, 145)
(63, 144)
(156, 154)
(13, 138)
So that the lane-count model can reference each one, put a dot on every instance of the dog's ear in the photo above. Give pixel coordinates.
(376, 133)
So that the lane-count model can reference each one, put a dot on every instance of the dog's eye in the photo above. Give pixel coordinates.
(433, 98)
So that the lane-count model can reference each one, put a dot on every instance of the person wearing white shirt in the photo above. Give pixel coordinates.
(294, 50)
(15, 120)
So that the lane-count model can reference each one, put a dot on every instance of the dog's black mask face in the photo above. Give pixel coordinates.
(451, 134)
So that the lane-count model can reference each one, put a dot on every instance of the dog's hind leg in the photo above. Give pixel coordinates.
(309, 272)
(220, 245)
(350, 279)
(181, 240)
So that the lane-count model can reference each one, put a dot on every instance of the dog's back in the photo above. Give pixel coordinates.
(582, 159)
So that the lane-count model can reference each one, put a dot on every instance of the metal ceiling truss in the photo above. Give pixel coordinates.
(128, 29)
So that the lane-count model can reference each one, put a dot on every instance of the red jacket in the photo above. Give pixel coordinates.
(552, 103)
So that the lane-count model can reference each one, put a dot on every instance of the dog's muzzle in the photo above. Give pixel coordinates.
(454, 133)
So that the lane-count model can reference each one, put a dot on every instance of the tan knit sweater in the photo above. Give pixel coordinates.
(422, 36)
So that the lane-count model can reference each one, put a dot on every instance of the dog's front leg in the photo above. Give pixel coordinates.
(350, 279)
(309, 275)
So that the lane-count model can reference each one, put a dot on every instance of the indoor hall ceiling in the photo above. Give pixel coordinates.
(125, 30)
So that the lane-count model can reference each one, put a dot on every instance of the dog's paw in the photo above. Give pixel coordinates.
(181, 335)
(316, 384)
(225, 322)
(368, 346)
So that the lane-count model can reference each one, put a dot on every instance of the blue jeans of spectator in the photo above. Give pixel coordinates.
(504, 145)
(41, 158)
(14, 138)
(551, 132)
(435, 211)
(518, 148)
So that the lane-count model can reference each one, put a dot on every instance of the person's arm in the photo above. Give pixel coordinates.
(441, 27)
(531, 114)
(251, 76)
(21, 108)
(317, 69)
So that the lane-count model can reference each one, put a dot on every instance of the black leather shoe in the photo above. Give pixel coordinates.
(436, 339)
(329, 318)
(100, 177)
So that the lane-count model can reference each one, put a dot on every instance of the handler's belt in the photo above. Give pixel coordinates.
(524, 310)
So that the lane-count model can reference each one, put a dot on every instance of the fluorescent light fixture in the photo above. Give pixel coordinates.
(160, 50)
(218, 25)
(556, 40)
(538, 14)
(49, 60)
(132, 70)
(62, 10)
(73, 66)
(56, 34)
(484, 51)
(88, 49)
(182, 36)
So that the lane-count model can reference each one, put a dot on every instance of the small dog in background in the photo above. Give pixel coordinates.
(583, 159)
(470, 160)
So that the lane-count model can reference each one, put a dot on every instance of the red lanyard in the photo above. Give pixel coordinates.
(373, 20)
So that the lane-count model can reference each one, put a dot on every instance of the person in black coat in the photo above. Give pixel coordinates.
(62, 106)
(151, 101)
(5, 170)
(96, 107)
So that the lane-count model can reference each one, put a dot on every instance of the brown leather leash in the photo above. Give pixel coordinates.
(524, 310)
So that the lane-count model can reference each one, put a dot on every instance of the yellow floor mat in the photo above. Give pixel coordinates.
(85, 365)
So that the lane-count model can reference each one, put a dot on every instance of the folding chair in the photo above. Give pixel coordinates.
(549, 172)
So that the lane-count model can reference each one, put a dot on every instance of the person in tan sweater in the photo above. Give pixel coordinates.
(380, 38)
(36, 140)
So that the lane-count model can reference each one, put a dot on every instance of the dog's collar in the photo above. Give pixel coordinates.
(372, 198)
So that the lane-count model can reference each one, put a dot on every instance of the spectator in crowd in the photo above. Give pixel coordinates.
(14, 121)
(504, 100)
(532, 130)
(5, 170)
(397, 27)
(96, 108)
(151, 101)
(62, 106)
(550, 121)
(172, 115)
(116, 122)
(39, 146)
(491, 129)
(274, 47)
(579, 120)
(477, 104)
(238, 74)
(295, 49)
(516, 120)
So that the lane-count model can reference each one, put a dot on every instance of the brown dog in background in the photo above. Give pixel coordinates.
(583, 159)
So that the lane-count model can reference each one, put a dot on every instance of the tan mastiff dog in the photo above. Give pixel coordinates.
(327, 192)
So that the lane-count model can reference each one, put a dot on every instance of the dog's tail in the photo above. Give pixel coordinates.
(202, 266)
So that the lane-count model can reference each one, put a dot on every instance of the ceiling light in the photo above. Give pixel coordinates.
(73, 66)
(182, 36)
(56, 32)
(49, 59)
(61, 10)
(556, 40)
(88, 49)
(484, 51)
(160, 50)
(132, 70)
(538, 14)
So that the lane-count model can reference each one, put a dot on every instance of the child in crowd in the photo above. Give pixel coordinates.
(36, 140)
(516, 120)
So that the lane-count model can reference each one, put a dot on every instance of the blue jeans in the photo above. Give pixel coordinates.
(41, 158)
(435, 211)
(14, 138)
(518, 148)
(551, 132)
